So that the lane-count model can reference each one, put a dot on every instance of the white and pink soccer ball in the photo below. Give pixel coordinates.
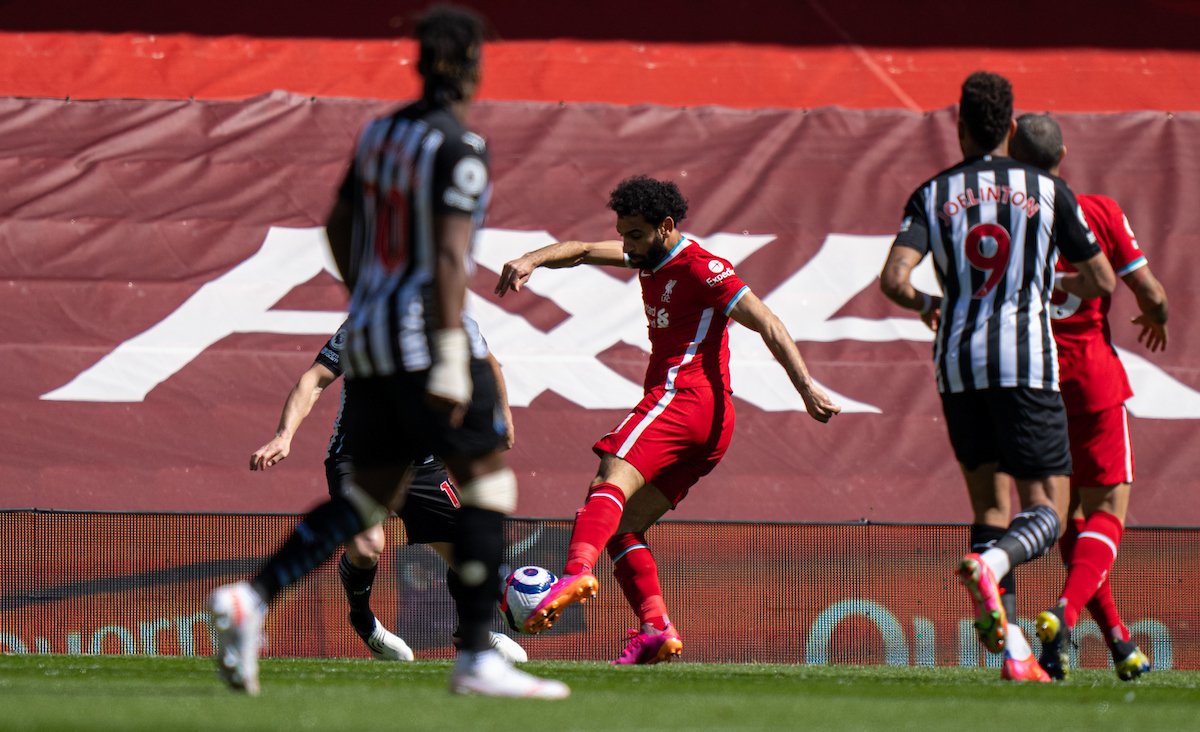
(523, 590)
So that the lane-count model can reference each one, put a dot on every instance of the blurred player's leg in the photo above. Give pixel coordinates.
(508, 648)
(237, 610)
(488, 491)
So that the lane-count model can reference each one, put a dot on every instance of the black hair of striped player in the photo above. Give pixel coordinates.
(1037, 142)
(653, 200)
(451, 42)
(986, 108)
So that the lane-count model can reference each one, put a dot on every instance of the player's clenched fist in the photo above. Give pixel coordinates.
(820, 407)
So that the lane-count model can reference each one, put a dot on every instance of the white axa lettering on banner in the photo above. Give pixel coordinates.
(603, 311)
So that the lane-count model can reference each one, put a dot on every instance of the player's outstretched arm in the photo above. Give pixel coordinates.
(896, 283)
(556, 256)
(299, 403)
(752, 313)
(502, 396)
(1152, 301)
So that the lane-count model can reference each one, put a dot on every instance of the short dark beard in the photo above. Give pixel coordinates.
(652, 258)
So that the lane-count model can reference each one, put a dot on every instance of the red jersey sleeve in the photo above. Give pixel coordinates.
(720, 287)
(1120, 243)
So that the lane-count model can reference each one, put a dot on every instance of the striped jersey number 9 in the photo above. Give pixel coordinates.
(391, 229)
(987, 247)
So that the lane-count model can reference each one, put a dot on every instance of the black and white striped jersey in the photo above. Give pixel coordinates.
(331, 357)
(409, 168)
(995, 228)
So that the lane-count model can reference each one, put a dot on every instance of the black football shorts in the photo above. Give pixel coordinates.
(429, 511)
(1022, 429)
(390, 422)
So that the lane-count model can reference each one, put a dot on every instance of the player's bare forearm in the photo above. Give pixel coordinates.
(1095, 278)
(896, 283)
(337, 229)
(752, 313)
(502, 397)
(299, 404)
(1151, 295)
(557, 256)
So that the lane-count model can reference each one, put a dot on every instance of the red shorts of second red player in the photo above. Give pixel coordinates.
(674, 437)
(1100, 449)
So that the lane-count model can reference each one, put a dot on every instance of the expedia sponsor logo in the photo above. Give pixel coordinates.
(723, 276)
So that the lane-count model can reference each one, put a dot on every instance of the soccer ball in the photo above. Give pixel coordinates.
(523, 590)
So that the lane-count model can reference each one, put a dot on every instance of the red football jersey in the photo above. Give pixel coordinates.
(1091, 376)
(688, 298)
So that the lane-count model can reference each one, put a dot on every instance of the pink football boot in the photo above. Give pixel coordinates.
(990, 619)
(1024, 670)
(567, 590)
(648, 645)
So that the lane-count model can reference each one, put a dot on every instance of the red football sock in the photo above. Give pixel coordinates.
(636, 572)
(595, 524)
(1095, 550)
(1104, 610)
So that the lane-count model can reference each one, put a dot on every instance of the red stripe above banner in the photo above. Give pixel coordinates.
(94, 65)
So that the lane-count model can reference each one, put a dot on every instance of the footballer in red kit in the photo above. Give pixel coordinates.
(681, 428)
(1094, 390)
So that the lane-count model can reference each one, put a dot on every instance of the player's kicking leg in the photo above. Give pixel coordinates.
(595, 523)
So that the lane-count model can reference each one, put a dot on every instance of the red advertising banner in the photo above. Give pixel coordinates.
(866, 594)
(165, 281)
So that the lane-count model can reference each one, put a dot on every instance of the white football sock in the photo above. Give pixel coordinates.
(1015, 645)
(997, 561)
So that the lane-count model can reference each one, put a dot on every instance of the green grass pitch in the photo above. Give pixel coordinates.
(147, 693)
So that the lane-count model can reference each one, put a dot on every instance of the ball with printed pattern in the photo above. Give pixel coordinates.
(523, 590)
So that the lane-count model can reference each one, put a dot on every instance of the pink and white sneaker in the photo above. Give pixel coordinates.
(990, 620)
(236, 614)
(650, 645)
(568, 590)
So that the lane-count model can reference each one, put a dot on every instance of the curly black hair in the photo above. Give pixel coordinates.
(451, 41)
(654, 200)
(1038, 141)
(986, 108)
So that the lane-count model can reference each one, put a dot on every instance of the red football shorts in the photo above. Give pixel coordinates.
(1100, 449)
(674, 437)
